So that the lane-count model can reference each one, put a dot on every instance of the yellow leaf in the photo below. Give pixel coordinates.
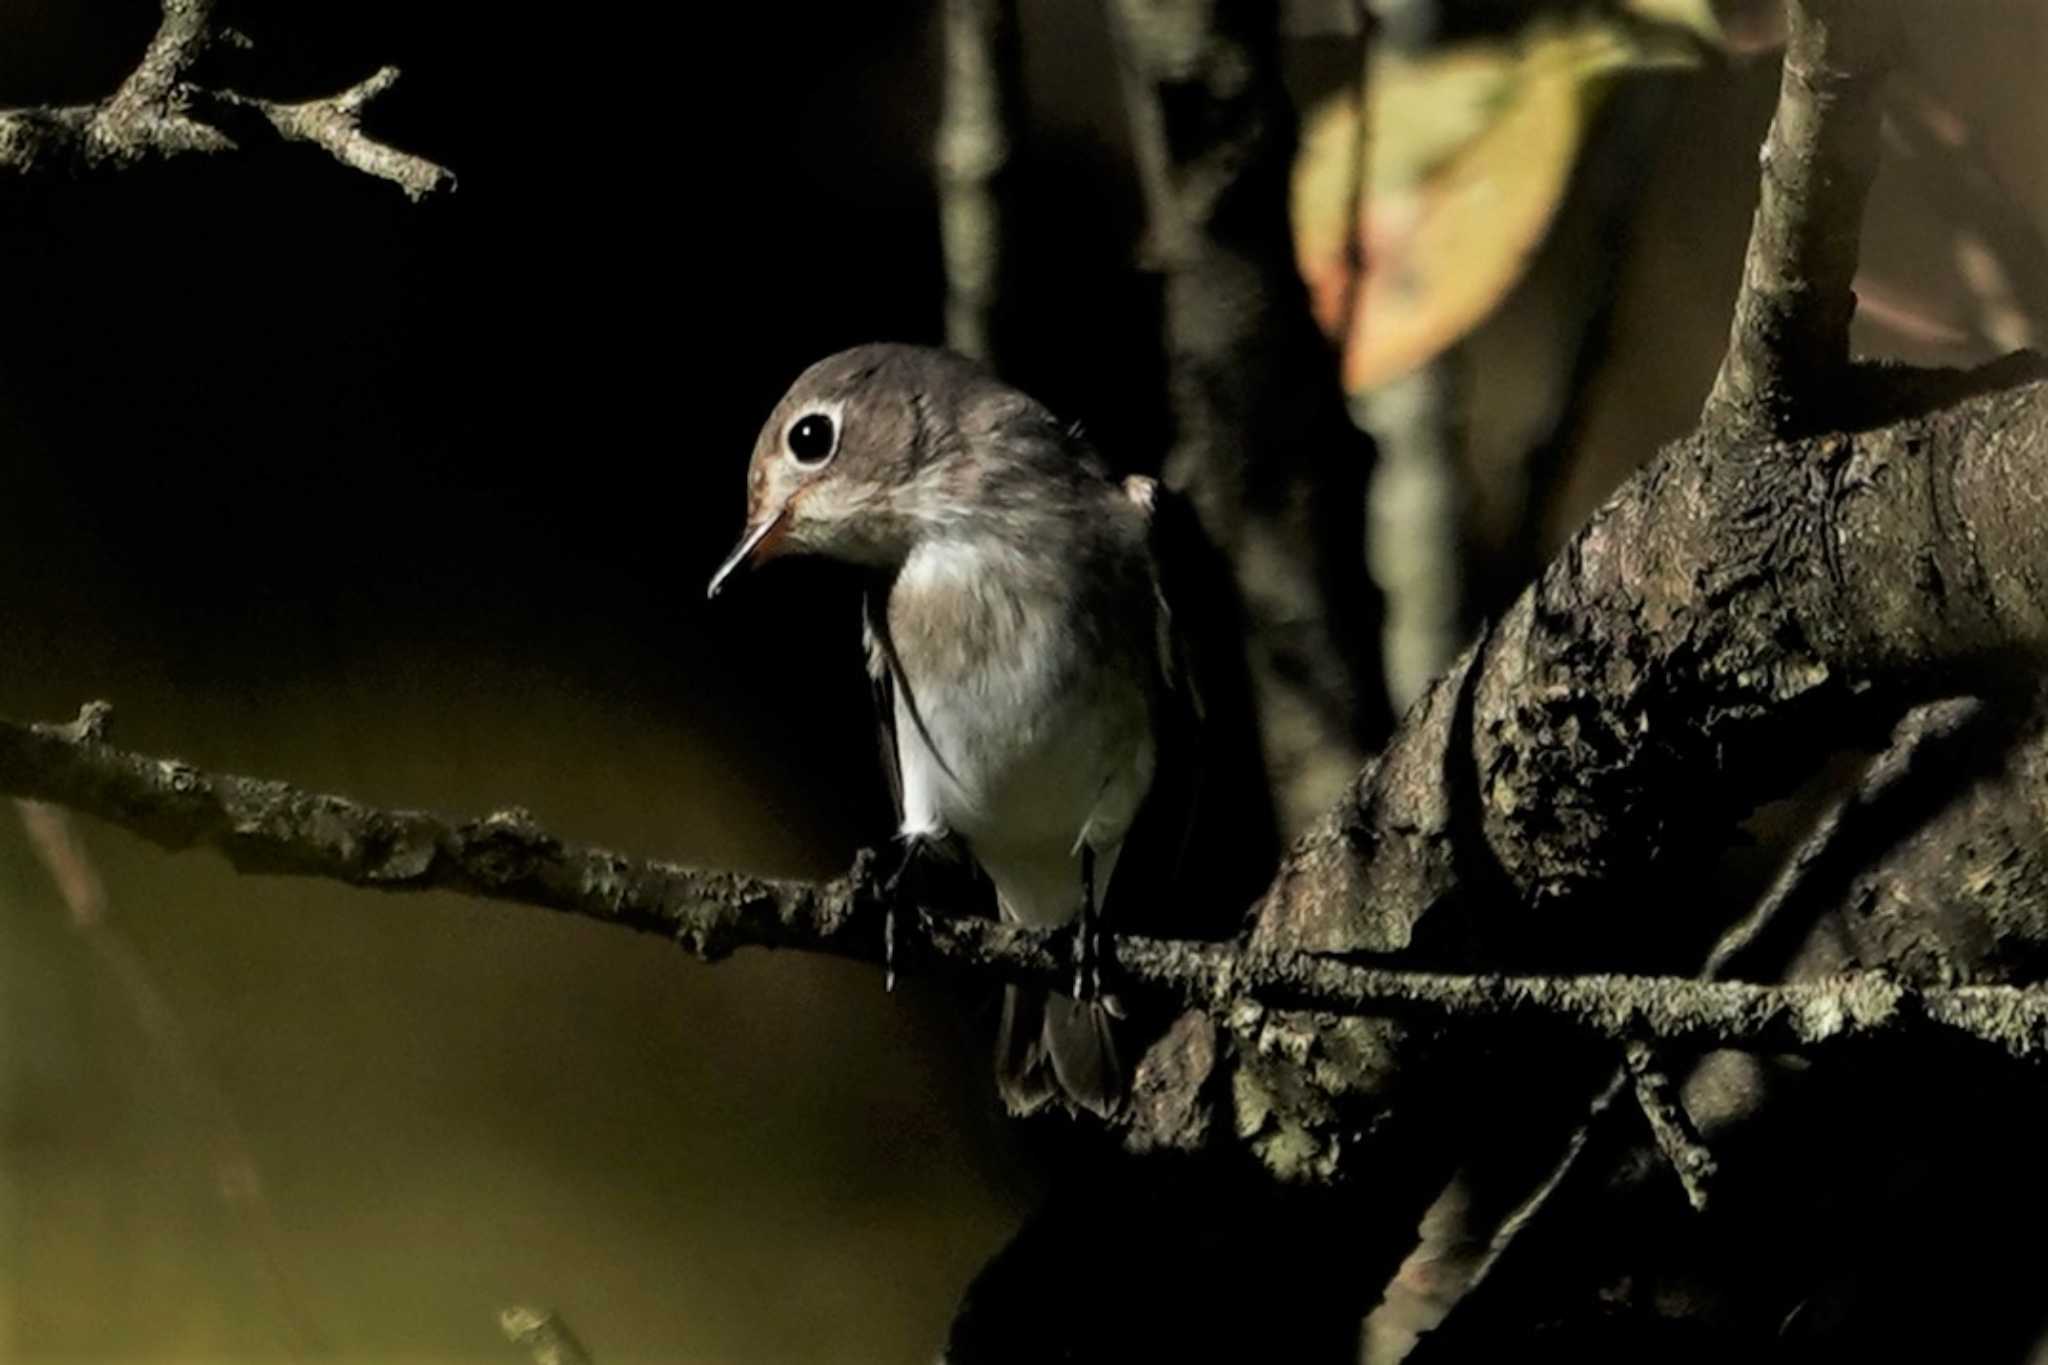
(1468, 155)
(1698, 16)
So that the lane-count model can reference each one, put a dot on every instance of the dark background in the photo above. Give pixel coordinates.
(417, 502)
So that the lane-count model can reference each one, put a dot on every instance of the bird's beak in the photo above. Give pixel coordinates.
(756, 539)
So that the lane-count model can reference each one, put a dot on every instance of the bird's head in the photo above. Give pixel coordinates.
(868, 450)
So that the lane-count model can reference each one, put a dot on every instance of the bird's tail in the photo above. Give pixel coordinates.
(1050, 1045)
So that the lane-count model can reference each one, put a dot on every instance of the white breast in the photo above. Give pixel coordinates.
(1027, 748)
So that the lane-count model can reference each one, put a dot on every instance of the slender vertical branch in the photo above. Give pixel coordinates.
(1790, 338)
(1415, 522)
(983, 103)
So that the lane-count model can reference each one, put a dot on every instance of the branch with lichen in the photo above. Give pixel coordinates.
(159, 113)
(269, 827)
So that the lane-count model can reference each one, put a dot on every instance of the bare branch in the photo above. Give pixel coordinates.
(1670, 1125)
(156, 114)
(335, 124)
(1791, 331)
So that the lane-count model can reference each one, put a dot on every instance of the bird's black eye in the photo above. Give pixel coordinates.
(812, 438)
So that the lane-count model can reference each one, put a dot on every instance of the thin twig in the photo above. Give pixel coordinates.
(335, 123)
(1672, 1127)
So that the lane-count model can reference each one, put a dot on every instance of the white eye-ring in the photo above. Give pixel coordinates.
(813, 437)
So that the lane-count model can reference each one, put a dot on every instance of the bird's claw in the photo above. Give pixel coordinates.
(889, 948)
(1087, 948)
(1087, 955)
(909, 884)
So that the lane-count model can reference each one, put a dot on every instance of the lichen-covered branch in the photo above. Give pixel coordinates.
(980, 111)
(1789, 345)
(265, 826)
(269, 827)
(1676, 1135)
(159, 113)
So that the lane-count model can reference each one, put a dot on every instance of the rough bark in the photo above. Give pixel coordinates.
(1732, 616)
(1262, 441)
(158, 113)
(1748, 604)
(1963, 895)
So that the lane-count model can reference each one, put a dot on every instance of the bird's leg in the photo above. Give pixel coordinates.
(909, 881)
(1087, 935)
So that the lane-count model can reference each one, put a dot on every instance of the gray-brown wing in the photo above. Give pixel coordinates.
(1203, 844)
(1148, 885)
(874, 626)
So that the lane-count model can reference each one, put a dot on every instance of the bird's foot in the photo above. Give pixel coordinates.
(1087, 947)
(889, 948)
(1087, 956)
(913, 883)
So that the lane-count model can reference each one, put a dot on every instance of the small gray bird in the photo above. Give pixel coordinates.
(1034, 698)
